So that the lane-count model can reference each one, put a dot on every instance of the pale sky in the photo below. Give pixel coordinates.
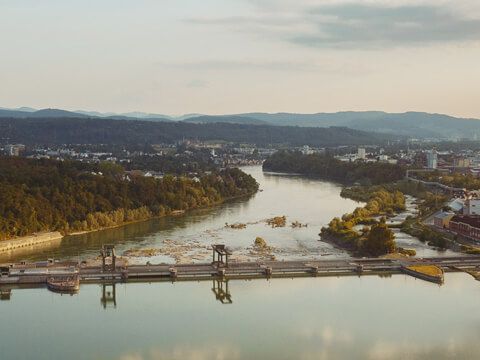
(232, 56)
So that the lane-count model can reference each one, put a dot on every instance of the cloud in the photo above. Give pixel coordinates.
(355, 24)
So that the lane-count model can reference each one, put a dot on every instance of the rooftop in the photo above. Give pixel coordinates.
(472, 220)
(443, 215)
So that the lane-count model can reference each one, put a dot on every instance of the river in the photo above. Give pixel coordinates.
(369, 317)
(188, 238)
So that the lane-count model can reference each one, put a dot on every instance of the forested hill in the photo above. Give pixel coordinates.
(103, 131)
(328, 168)
(47, 195)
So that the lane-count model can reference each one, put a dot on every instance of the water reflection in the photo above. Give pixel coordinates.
(307, 318)
(5, 294)
(109, 295)
(108, 298)
(221, 291)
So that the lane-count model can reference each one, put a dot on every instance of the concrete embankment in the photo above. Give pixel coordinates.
(32, 240)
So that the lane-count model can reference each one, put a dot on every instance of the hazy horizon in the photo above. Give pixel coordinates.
(110, 113)
(236, 56)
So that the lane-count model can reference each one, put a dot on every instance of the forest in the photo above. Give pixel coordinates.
(328, 168)
(44, 131)
(69, 196)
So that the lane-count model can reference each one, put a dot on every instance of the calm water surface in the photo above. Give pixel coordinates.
(371, 317)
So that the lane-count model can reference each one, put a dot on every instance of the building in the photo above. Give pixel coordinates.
(471, 207)
(466, 225)
(461, 163)
(154, 174)
(442, 220)
(14, 150)
(306, 150)
(361, 154)
(457, 205)
(432, 159)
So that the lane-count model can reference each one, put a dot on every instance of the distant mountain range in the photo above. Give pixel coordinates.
(410, 124)
(23, 113)
(26, 113)
(46, 131)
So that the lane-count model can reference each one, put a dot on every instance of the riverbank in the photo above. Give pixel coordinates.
(85, 197)
(29, 241)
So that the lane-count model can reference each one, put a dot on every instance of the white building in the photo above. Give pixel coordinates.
(432, 159)
(471, 207)
(361, 153)
(306, 150)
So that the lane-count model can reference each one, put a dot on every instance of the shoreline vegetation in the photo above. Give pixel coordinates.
(325, 166)
(381, 187)
(375, 238)
(72, 197)
(22, 242)
(428, 203)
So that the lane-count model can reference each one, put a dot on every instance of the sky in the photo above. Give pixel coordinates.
(234, 56)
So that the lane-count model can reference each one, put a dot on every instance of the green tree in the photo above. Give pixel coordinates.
(380, 240)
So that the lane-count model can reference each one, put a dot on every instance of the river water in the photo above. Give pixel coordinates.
(369, 317)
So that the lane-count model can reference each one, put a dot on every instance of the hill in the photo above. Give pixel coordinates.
(411, 124)
(44, 113)
(32, 131)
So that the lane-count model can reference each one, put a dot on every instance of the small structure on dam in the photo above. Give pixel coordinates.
(222, 254)
(108, 258)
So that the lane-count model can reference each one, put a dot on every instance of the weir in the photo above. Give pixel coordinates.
(36, 274)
